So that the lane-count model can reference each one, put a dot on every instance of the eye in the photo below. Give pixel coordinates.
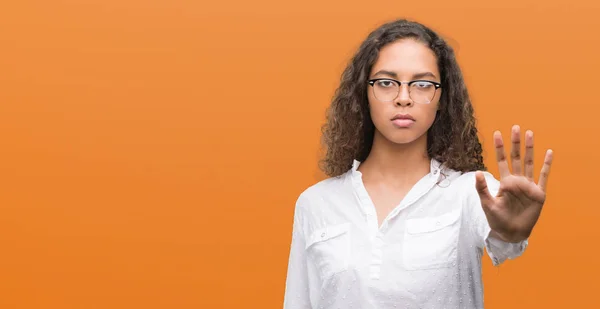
(423, 84)
(384, 83)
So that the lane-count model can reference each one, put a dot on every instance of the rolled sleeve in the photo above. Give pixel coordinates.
(500, 251)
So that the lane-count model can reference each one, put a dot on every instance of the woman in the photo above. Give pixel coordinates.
(408, 209)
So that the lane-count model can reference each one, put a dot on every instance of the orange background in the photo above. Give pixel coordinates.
(152, 151)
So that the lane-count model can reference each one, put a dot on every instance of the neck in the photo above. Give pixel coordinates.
(396, 164)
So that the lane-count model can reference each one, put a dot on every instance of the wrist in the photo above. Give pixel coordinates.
(509, 238)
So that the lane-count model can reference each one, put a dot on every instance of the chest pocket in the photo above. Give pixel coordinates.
(431, 242)
(328, 248)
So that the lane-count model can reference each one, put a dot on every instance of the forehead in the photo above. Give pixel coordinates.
(406, 57)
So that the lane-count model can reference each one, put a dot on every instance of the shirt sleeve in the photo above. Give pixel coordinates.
(498, 250)
(297, 294)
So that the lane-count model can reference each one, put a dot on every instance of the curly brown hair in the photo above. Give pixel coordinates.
(348, 132)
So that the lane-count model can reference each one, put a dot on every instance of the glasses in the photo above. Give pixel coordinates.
(419, 91)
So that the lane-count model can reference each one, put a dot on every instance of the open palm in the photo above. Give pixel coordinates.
(514, 211)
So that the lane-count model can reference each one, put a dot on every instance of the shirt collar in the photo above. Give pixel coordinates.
(367, 207)
(435, 168)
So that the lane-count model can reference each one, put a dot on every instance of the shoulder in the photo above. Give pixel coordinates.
(322, 190)
(325, 197)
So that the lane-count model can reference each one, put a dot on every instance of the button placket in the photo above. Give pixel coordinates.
(376, 256)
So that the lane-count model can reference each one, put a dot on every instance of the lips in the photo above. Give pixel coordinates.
(403, 116)
(403, 120)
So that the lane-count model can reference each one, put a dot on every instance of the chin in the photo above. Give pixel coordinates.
(402, 141)
(402, 138)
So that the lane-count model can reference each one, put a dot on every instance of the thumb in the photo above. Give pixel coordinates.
(482, 189)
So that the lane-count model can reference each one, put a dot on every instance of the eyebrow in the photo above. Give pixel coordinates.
(394, 75)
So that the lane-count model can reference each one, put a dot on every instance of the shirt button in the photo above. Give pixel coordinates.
(322, 235)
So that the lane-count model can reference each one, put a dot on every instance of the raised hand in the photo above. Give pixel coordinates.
(514, 211)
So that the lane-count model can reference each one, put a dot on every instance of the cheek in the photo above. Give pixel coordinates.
(377, 110)
(429, 113)
(430, 110)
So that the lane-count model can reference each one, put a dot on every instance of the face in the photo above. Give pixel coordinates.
(407, 117)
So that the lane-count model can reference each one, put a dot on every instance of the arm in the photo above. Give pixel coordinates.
(497, 249)
(296, 288)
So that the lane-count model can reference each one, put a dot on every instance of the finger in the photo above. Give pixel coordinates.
(482, 189)
(500, 156)
(529, 155)
(543, 183)
(515, 151)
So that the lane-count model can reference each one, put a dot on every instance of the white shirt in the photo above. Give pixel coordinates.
(426, 254)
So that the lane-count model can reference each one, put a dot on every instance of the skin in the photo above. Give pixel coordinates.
(398, 158)
(514, 211)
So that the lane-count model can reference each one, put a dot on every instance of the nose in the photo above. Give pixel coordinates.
(403, 98)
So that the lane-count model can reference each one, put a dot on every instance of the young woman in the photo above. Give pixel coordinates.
(408, 209)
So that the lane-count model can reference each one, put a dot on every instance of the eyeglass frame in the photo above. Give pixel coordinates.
(409, 83)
